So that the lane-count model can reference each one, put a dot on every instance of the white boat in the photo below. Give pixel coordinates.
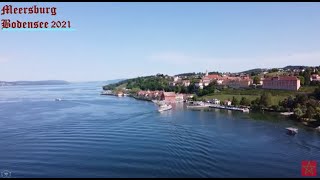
(246, 110)
(58, 99)
(292, 131)
(164, 107)
(159, 103)
(107, 92)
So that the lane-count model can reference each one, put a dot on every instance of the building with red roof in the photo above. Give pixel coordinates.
(168, 96)
(281, 82)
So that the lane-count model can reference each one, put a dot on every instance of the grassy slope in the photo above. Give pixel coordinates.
(252, 94)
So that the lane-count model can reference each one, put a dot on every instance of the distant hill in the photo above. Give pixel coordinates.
(45, 82)
(186, 74)
(113, 81)
(294, 67)
(256, 71)
(259, 70)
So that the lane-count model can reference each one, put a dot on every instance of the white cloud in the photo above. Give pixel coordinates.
(231, 64)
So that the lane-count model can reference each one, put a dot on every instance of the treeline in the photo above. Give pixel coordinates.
(306, 75)
(160, 82)
(149, 83)
(114, 85)
(304, 106)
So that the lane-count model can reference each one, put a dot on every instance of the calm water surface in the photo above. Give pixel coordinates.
(88, 135)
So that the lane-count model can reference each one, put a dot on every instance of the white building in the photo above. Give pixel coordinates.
(186, 83)
(206, 82)
(199, 85)
(172, 84)
(176, 78)
(219, 81)
(227, 103)
(179, 97)
(215, 101)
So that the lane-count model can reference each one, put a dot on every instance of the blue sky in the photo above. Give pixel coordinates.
(124, 40)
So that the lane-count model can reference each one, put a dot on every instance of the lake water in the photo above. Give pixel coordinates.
(88, 135)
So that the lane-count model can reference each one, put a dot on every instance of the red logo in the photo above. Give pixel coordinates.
(309, 168)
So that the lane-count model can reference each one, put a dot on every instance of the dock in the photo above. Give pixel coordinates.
(230, 108)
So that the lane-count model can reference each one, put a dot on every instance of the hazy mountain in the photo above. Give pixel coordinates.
(45, 82)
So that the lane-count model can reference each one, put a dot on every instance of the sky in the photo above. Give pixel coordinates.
(126, 40)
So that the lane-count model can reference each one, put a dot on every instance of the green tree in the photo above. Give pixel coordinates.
(307, 75)
(177, 89)
(301, 99)
(307, 79)
(298, 112)
(244, 101)
(287, 103)
(316, 93)
(192, 88)
(256, 101)
(256, 80)
(274, 70)
(302, 80)
(310, 112)
(135, 90)
(195, 98)
(200, 92)
(184, 89)
(265, 99)
(317, 116)
(235, 101)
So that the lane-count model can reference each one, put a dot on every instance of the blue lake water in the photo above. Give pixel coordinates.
(88, 135)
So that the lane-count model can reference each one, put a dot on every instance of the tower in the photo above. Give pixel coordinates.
(206, 73)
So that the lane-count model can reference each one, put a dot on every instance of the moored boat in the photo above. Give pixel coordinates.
(164, 107)
(292, 131)
(159, 103)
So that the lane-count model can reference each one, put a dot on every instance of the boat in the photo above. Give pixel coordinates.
(292, 131)
(164, 107)
(58, 99)
(159, 103)
(287, 113)
(246, 110)
(107, 92)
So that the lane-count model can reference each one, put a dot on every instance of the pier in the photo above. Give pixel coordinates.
(230, 108)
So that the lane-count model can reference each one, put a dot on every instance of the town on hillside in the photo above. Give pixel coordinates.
(294, 89)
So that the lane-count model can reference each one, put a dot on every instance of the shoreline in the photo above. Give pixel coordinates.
(288, 115)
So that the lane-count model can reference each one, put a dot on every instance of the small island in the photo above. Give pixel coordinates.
(293, 91)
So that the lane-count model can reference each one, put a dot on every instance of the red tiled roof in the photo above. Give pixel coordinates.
(282, 78)
(212, 76)
(169, 94)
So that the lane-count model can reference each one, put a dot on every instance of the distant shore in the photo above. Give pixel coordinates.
(24, 83)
